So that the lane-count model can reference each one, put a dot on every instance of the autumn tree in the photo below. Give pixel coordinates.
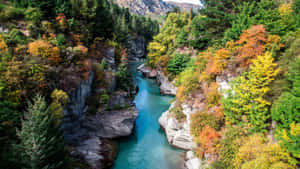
(258, 152)
(45, 50)
(246, 103)
(286, 113)
(251, 44)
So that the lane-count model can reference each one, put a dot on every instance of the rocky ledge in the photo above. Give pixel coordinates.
(178, 133)
(165, 86)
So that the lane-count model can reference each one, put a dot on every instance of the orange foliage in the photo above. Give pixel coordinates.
(252, 43)
(212, 94)
(77, 39)
(124, 55)
(45, 50)
(218, 62)
(208, 141)
(87, 67)
(180, 95)
(61, 20)
(3, 46)
(82, 50)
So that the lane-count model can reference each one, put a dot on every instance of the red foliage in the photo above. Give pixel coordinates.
(208, 140)
(252, 43)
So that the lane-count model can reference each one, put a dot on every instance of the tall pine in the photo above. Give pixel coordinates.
(42, 144)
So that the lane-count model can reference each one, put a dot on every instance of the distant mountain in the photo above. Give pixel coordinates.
(156, 7)
(184, 6)
(143, 7)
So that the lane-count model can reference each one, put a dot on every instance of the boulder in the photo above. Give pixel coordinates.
(112, 124)
(119, 99)
(147, 71)
(192, 162)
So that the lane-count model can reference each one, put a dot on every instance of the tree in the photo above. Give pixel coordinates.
(286, 113)
(243, 20)
(42, 144)
(247, 103)
(45, 50)
(3, 46)
(177, 63)
(257, 152)
(251, 44)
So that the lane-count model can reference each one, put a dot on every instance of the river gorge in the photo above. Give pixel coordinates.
(147, 147)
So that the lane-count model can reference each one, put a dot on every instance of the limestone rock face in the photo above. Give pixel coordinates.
(136, 46)
(109, 56)
(192, 162)
(165, 86)
(178, 134)
(74, 112)
(112, 124)
(90, 151)
(147, 71)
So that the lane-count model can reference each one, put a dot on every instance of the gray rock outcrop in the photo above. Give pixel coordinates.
(147, 71)
(192, 162)
(178, 134)
(165, 86)
(112, 124)
(136, 46)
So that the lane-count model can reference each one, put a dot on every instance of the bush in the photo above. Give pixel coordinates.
(61, 39)
(33, 15)
(202, 119)
(177, 63)
(233, 136)
(259, 153)
(9, 14)
(178, 112)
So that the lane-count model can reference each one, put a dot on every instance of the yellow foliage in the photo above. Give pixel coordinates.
(3, 46)
(180, 93)
(259, 153)
(45, 50)
(285, 9)
(294, 132)
(59, 99)
(218, 62)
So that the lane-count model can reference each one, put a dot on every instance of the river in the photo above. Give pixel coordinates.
(147, 147)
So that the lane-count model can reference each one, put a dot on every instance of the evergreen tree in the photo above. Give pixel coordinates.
(41, 141)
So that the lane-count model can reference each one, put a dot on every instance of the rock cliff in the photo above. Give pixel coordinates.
(165, 86)
(156, 7)
(143, 7)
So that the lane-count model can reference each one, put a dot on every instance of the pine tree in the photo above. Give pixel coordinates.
(41, 141)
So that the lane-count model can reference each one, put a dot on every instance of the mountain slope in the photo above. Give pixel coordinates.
(143, 7)
(157, 7)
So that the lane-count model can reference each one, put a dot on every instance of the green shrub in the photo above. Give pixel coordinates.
(34, 15)
(61, 39)
(177, 63)
(202, 119)
(9, 14)
(178, 112)
(229, 146)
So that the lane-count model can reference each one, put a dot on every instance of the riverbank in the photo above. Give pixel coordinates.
(147, 147)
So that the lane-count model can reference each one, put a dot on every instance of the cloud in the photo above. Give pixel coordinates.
(186, 1)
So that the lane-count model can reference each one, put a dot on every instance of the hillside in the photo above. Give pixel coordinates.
(184, 6)
(143, 7)
(153, 7)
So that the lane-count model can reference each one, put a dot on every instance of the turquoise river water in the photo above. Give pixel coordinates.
(147, 147)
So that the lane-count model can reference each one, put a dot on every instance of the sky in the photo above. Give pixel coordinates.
(187, 1)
